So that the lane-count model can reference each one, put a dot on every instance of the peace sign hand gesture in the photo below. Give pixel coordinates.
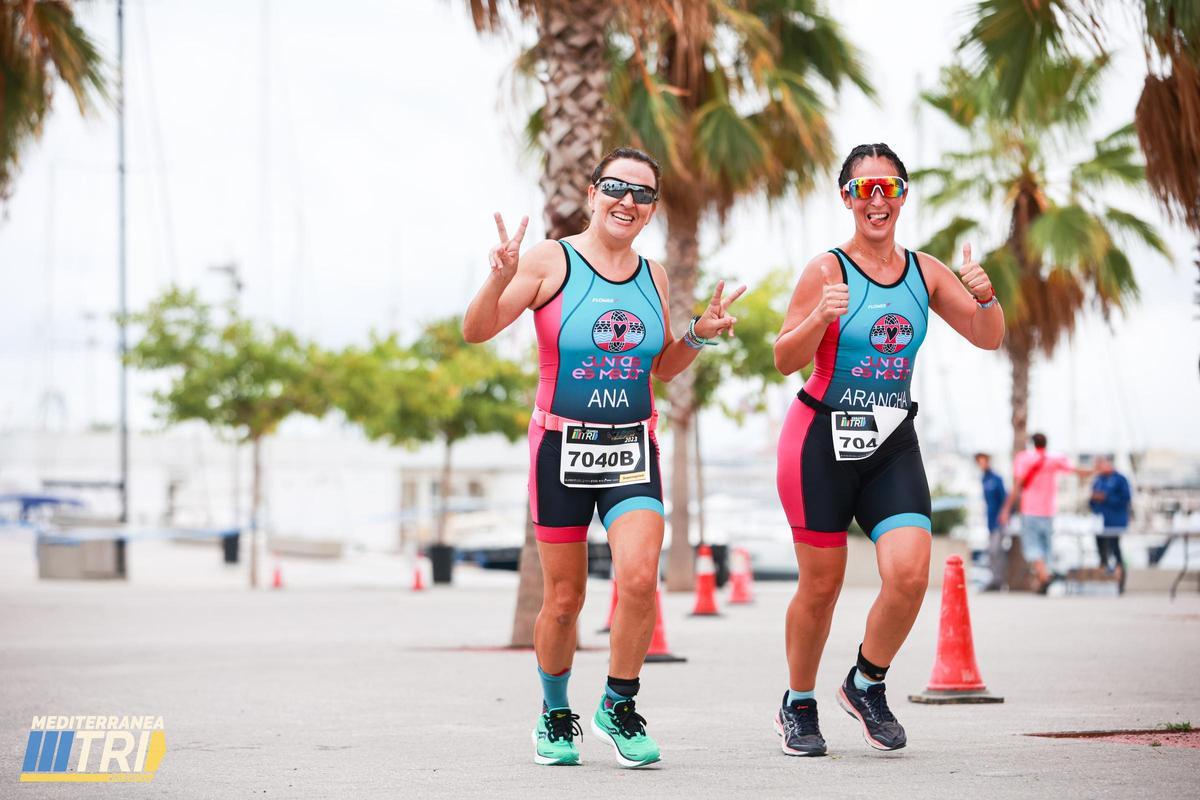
(974, 278)
(503, 257)
(715, 321)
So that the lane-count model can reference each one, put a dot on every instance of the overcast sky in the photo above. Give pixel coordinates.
(349, 162)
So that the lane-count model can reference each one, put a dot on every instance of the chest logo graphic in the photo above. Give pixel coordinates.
(617, 331)
(891, 333)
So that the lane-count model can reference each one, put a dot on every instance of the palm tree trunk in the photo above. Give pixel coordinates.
(444, 496)
(1020, 353)
(576, 111)
(529, 589)
(573, 32)
(699, 477)
(255, 499)
(683, 261)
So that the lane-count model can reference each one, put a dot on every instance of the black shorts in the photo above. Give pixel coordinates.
(563, 513)
(820, 494)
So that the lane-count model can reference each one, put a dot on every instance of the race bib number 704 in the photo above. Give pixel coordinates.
(858, 434)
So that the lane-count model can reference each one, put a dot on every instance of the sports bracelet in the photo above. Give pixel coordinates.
(991, 301)
(692, 332)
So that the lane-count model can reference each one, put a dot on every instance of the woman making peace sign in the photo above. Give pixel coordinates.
(603, 329)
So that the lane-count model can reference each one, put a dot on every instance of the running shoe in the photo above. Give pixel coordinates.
(796, 724)
(554, 737)
(625, 729)
(880, 728)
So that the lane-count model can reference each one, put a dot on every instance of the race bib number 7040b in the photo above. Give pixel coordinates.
(593, 457)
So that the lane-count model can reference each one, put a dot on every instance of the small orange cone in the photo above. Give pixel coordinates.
(277, 578)
(706, 584)
(955, 676)
(741, 578)
(418, 584)
(612, 609)
(659, 652)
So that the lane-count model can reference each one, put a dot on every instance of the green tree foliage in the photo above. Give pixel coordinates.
(237, 377)
(40, 44)
(749, 356)
(439, 388)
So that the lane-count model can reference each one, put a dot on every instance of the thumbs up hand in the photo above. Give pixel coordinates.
(974, 278)
(835, 297)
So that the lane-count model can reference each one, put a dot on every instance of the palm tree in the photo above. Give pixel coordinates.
(1016, 38)
(732, 98)
(572, 49)
(40, 43)
(572, 54)
(1063, 247)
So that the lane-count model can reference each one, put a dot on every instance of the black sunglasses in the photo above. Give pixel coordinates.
(614, 187)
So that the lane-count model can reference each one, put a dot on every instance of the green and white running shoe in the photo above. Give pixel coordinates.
(554, 737)
(625, 729)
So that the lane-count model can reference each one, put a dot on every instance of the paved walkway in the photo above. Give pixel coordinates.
(321, 691)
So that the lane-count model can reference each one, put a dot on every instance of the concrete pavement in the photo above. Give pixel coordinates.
(369, 690)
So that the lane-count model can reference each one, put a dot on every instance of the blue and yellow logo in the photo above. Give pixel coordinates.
(121, 749)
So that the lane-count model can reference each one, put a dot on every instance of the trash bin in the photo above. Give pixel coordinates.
(441, 556)
(720, 555)
(229, 546)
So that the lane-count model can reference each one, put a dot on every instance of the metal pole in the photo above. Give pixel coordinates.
(235, 285)
(122, 344)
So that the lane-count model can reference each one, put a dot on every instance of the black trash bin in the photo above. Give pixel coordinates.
(229, 546)
(720, 555)
(441, 556)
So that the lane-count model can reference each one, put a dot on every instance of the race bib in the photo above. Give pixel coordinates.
(593, 457)
(858, 434)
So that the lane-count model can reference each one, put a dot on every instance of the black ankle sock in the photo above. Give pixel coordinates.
(624, 687)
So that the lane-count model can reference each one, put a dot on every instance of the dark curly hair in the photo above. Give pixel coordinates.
(631, 153)
(879, 150)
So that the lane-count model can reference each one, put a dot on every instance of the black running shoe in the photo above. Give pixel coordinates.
(796, 724)
(880, 728)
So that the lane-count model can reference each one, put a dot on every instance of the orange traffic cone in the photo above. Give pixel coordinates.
(418, 584)
(612, 609)
(741, 578)
(277, 578)
(659, 652)
(955, 676)
(706, 584)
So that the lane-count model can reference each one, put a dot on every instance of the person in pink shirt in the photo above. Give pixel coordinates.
(1035, 483)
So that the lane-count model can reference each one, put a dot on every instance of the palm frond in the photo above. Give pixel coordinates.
(1137, 229)
(1016, 39)
(729, 151)
(1114, 162)
(944, 244)
(1069, 236)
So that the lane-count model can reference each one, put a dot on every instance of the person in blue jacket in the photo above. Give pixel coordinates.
(1110, 499)
(994, 495)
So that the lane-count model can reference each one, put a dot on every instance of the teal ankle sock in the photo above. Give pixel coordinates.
(554, 688)
(793, 696)
(862, 683)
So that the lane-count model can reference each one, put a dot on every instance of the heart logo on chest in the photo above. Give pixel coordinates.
(891, 333)
(619, 330)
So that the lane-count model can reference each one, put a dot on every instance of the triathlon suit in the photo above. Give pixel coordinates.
(596, 341)
(865, 359)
